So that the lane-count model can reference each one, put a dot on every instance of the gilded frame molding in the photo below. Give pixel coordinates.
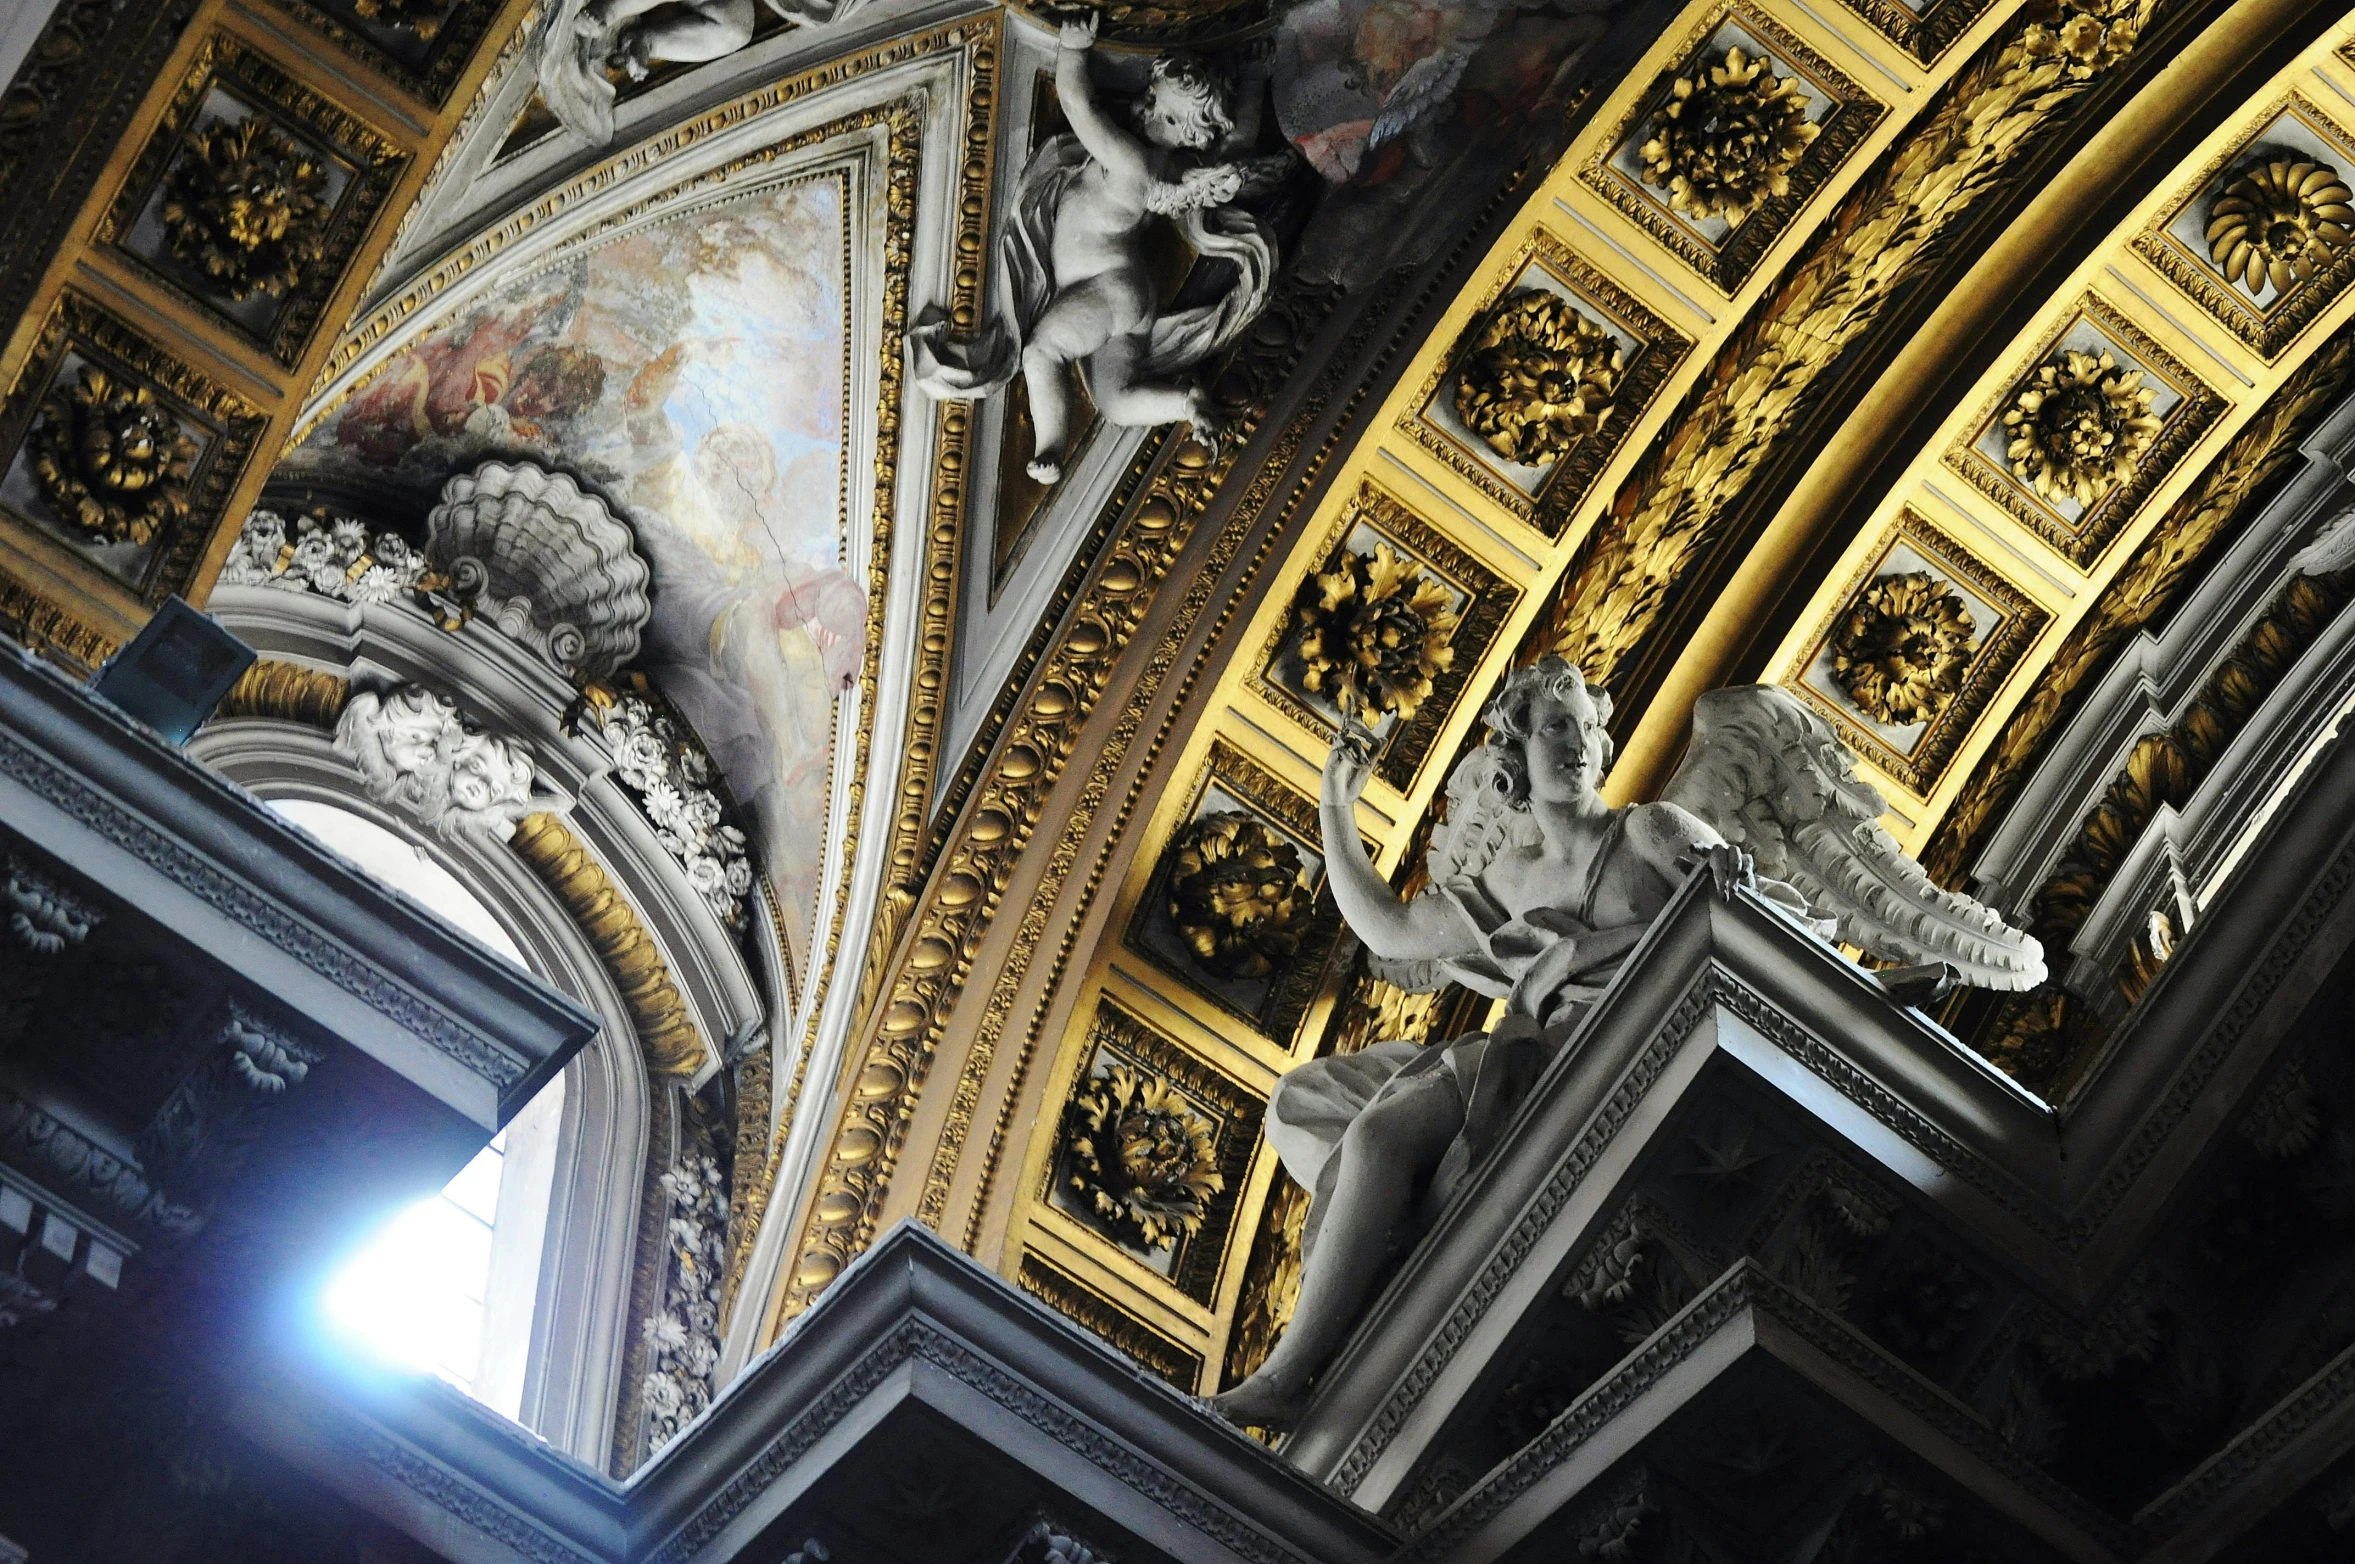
(2190, 419)
(1489, 602)
(1924, 35)
(1201, 1259)
(231, 63)
(433, 76)
(2265, 332)
(79, 324)
(1081, 1304)
(1661, 351)
(1284, 807)
(1997, 655)
(1728, 264)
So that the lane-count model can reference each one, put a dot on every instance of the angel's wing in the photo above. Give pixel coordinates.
(1427, 84)
(1773, 778)
(2332, 550)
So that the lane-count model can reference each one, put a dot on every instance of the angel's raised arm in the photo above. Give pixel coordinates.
(1425, 929)
(1106, 142)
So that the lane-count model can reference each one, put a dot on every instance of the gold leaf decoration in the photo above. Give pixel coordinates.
(1886, 236)
(1903, 647)
(2279, 221)
(1238, 893)
(419, 18)
(1539, 378)
(110, 459)
(1374, 631)
(245, 204)
(1140, 1157)
(1728, 137)
(2079, 425)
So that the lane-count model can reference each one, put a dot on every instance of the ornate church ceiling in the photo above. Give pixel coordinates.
(1921, 391)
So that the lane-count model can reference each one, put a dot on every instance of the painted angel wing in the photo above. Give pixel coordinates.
(1479, 825)
(1772, 777)
(1427, 84)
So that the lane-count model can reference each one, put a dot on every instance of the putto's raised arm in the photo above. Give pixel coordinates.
(1104, 140)
(1425, 929)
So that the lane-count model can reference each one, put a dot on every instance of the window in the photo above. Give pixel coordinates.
(451, 1284)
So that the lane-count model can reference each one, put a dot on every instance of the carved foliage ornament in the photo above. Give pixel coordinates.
(683, 1335)
(419, 18)
(42, 914)
(2083, 37)
(1728, 136)
(2079, 425)
(1238, 893)
(110, 459)
(2279, 221)
(1903, 647)
(1374, 632)
(330, 555)
(1141, 1157)
(246, 205)
(1539, 378)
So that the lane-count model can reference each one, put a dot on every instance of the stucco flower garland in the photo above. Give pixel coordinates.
(1140, 1157)
(327, 554)
(1238, 894)
(1903, 647)
(673, 780)
(1728, 137)
(1538, 378)
(2079, 426)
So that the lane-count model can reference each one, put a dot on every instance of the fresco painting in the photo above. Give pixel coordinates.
(695, 368)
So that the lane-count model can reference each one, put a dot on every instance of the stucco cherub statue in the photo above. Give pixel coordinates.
(1538, 892)
(1071, 269)
(584, 36)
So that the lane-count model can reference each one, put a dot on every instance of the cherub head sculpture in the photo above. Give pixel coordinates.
(1548, 733)
(415, 751)
(1185, 104)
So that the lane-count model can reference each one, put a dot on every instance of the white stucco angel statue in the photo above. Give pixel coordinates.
(1071, 269)
(584, 36)
(1538, 891)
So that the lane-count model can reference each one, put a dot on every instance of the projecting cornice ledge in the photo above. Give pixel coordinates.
(918, 1368)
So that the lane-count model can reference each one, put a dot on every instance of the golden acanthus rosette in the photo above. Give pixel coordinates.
(1903, 646)
(109, 459)
(1375, 630)
(246, 205)
(2279, 221)
(2079, 426)
(1538, 378)
(1728, 136)
(1140, 1157)
(1238, 893)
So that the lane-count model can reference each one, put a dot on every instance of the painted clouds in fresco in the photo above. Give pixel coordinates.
(696, 369)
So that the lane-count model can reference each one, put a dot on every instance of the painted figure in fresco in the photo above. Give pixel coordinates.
(1072, 267)
(1539, 890)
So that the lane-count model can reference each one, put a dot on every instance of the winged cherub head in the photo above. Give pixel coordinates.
(1547, 731)
(1185, 104)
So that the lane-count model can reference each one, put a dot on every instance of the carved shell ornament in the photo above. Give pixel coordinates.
(1728, 137)
(2280, 221)
(1903, 647)
(1375, 630)
(1539, 378)
(1140, 1156)
(110, 459)
(545, 560)
(2079, 426)
(245, 204)
(1238, 894)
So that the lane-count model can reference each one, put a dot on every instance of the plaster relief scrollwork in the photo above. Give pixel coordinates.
(42, 914)
(205, 1128)
(545, 560)
(417, 753)
(1075, 277)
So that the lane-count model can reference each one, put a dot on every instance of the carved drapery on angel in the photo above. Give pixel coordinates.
(1538, 891)
(1072, 283)
(585, 37)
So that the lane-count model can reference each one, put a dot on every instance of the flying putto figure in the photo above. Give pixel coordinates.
(1538, 892)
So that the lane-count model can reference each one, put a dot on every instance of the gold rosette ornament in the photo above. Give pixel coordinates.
(110, 459)
(1238, 894)
(1728, 137)
(1140, 1157)
(1374, 632)
(1903, 647)
(1539, 378)
(2279, 222)
(2079, 426)
(245, 204)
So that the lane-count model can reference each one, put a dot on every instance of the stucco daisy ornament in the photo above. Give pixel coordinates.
(1538, 378)
(110, 459)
